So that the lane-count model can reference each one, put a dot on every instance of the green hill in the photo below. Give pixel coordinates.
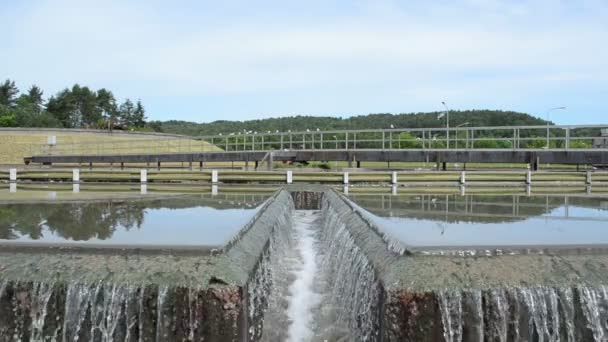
(371, 121)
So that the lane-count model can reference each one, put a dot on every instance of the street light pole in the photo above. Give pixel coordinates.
(549, 112)
(447, 123)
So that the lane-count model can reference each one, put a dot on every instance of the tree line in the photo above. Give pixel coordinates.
(75, 107)
(471, 118)
(498, 138)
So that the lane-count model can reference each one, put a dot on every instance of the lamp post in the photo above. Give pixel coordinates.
(447, 123)
(549, 112)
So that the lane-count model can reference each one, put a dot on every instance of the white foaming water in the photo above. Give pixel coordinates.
(303, 297)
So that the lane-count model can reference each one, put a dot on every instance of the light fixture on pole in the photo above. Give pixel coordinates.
(549, 112)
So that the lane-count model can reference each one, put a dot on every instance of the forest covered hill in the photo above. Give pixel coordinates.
(372, 121)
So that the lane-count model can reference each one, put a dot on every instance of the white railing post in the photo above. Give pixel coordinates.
(394, 177)
(75, 175)
(214, 177)
(12, 175)
(143, 176)
(463, 179)
(76, 188)
(345, 178)
(529, 177)
(588, 178)
(289, 177)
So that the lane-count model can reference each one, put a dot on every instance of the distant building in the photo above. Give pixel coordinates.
(601, 141)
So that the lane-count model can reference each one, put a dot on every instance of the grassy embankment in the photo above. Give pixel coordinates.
(15, 145)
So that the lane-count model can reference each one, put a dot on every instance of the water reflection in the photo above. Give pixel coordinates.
(187, 220)
(489, 220)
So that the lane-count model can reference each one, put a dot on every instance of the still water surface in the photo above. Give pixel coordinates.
(481, 220)
(181, 221)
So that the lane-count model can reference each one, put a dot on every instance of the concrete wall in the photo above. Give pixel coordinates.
(451, 156)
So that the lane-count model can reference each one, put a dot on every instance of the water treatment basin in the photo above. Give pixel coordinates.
(198, 222)
(435, 222)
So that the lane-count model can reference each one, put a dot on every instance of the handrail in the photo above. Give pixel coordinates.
(549, 137)
(405, 129)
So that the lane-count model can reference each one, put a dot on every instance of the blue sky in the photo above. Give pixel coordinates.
(236, 60)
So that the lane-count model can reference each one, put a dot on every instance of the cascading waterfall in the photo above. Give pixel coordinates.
(541, 304)
(76, 306)
(450, 303)
(101, 312)
(161, 331)
(354, 290)
(525, 314)
(41, 294)
(497, 314)
(267, 288)
(2, 288)
(594, 303)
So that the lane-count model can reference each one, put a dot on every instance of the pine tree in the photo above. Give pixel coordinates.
(35, 97)
(125, 114)
(8, 93)
(139, 115)
(106, 104)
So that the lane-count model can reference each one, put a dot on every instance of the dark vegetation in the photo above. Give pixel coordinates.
(371, 121)
(232, 131)
(76, 107)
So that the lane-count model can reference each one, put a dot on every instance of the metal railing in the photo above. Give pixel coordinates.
(500, 137)
(131, 146)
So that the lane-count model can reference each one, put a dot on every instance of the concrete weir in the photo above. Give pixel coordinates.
(366, 287)
(57, 295)
(398, 294)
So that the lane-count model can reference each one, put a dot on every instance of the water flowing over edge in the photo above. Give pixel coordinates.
(354, 290)
(265, 286)
(96, 312)
(534, 313)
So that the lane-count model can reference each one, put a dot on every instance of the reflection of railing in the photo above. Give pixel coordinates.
(503, 137)
(449, 207)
